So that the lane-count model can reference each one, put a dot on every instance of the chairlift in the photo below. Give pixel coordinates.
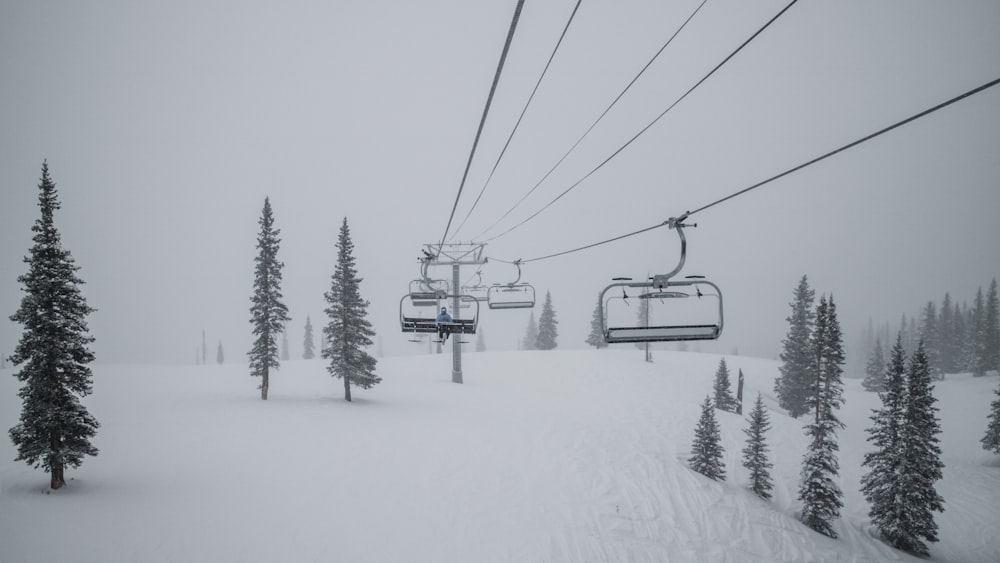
(414, 321)
(512, 295)
(426, 293)
(684, 316)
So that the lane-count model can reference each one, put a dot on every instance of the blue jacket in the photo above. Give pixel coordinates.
(443, 318)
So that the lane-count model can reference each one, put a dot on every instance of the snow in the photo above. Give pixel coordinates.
(538, 456)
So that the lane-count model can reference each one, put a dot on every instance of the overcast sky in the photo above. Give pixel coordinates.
(166, 124)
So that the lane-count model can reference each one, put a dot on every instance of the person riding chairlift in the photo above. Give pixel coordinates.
(443, 324)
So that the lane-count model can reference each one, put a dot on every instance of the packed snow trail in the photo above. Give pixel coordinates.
(538, 456)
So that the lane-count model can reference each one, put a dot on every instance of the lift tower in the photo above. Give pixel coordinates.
(455, 255)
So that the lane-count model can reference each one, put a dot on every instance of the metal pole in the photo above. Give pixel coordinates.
(456, 347)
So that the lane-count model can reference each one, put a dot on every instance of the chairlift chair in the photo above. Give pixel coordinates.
(666, 293)
(419, 324)
(512, 295)
(427, 293)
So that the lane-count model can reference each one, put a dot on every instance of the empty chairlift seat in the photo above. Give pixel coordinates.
(511, 296)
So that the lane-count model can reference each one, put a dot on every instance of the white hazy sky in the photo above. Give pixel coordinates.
(165, 125)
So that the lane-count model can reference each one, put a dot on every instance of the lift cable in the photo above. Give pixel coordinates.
(482, 121)
(843, 148)
(647, 127)
(594, 124)
(516, 125)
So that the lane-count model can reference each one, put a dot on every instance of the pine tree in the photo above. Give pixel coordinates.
(948, 343)
(55, 428)
(980, 349)
(530, 334)
(991, 332)
(931, 337)
(308, 350)
(881, 484)
(480, 341)
(991, 441)
(820, 495)
(707, 449)
(796, 357)
(220, 358)
(875, 369)
(348, 330)
(755, 452)
(547, 331)
(596, 336)
(724, 399)
(268, 314)
(921, 461)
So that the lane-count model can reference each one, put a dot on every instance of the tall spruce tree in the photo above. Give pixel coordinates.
(547, 331)
(875, 369)
(930, 335)
(308, 343)
(820, 495)
(480, 340)
(530, 340)
(220, 357)
(792, 386)
(881, 485)
(55, 428)
(979, 356)
(755, 453)
(596, 336)
(991, 441)
(284, 346)
(724, 399)
(921, 461)
(268, 313)
(991, 332)
(707, 448)
(949, 336)
(348, 330)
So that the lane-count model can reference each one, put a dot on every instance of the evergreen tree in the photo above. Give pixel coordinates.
(220, 358)
(820, 495)
(921, 461)
(755, 452)
(480, 341)
(530, 334)
(596, 336)
(707, 449)
(724, 399)
(308, 351)
(875, 369)
(931, 337)
(268, 314)
(991, 441)
(991, 332)
(348, 330)
(55, 428)
(642, 319)
(792, 385)
(980, 352)
(547, 331)
(948, 337)
(881, 484)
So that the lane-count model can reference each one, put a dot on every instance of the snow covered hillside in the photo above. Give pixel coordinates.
(539, 456)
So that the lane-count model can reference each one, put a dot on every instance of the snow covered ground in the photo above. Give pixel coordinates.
(538, 456)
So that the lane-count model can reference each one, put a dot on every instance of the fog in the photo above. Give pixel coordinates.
(166, 124)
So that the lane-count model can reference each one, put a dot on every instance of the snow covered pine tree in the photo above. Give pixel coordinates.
(596, 336)
(707, 449)
(55, 428)
(348, 330)
(268, 314)
(755, 452)
(724, 399)
(792, 386)
(547, 331)
(821, 497)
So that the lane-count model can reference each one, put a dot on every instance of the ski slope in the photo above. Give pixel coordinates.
(538, 456)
